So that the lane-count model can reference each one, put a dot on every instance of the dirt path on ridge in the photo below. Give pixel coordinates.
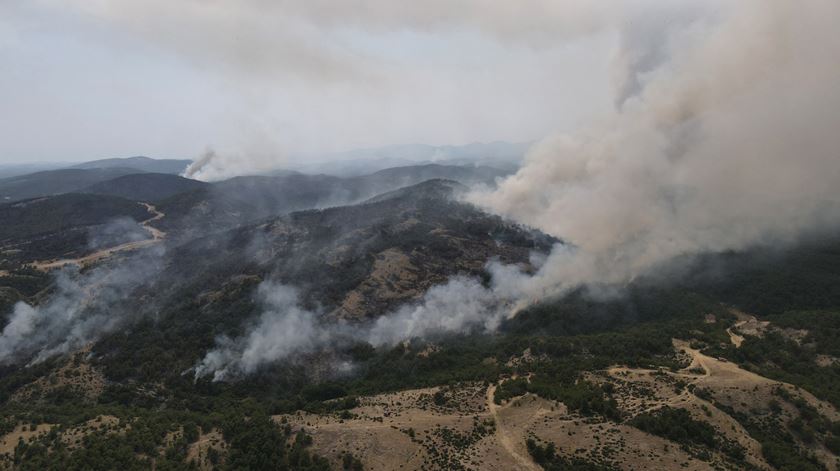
(505, 438)
(157, 237)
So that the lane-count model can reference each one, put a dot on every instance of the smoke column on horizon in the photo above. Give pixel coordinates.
(214, 166)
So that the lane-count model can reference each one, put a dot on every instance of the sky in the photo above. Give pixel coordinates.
(90, 79)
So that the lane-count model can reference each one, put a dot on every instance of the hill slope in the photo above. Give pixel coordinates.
(145, 186)
(49, 227)
(55, 182)
(359, 261)
(241, 200)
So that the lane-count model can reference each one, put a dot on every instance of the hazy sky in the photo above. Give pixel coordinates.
(86, 79)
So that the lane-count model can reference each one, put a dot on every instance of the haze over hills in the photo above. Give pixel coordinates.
(13, 170)
(80, 176)
(53, 182)
(193, 207)
(64, 225)
(241, 199)
(140, 163)
(145, 164)
(490, 161)
(313, 293)
(144, 186)
(503, 155)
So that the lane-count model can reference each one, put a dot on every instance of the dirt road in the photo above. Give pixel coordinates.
(718, 371)
(157, 236)
(738, 339)
(507, 440)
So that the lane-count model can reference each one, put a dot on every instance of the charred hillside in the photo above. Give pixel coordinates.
(145, 186)
(359, 261)
(241, 200)
(353, 262)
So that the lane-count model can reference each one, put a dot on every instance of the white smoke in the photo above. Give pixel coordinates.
(730, 142)
(725, 137)
(214, 166)
(82, 308)
(459, 305)
(115, 232)
(284, 329)
(326, 76)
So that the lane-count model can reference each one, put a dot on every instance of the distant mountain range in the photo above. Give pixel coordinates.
(50, 205)
(144, 164)
(239, 200)
(503, 155)
(22, 181)
(79, 177)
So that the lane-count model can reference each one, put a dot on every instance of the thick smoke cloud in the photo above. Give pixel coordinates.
(724, 137)
(730, 142)
(281, 37)
(261, 153)
(324, 76)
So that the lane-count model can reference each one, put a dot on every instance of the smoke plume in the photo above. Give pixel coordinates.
(82, 308)
(729, 142)
(214, 166)
(284, 329)
(724, 137)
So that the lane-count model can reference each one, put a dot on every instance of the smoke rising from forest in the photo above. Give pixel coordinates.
(721, 122)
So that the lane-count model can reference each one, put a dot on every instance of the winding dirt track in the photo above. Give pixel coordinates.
(157, 236)
(736, 339)
(506, 439)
